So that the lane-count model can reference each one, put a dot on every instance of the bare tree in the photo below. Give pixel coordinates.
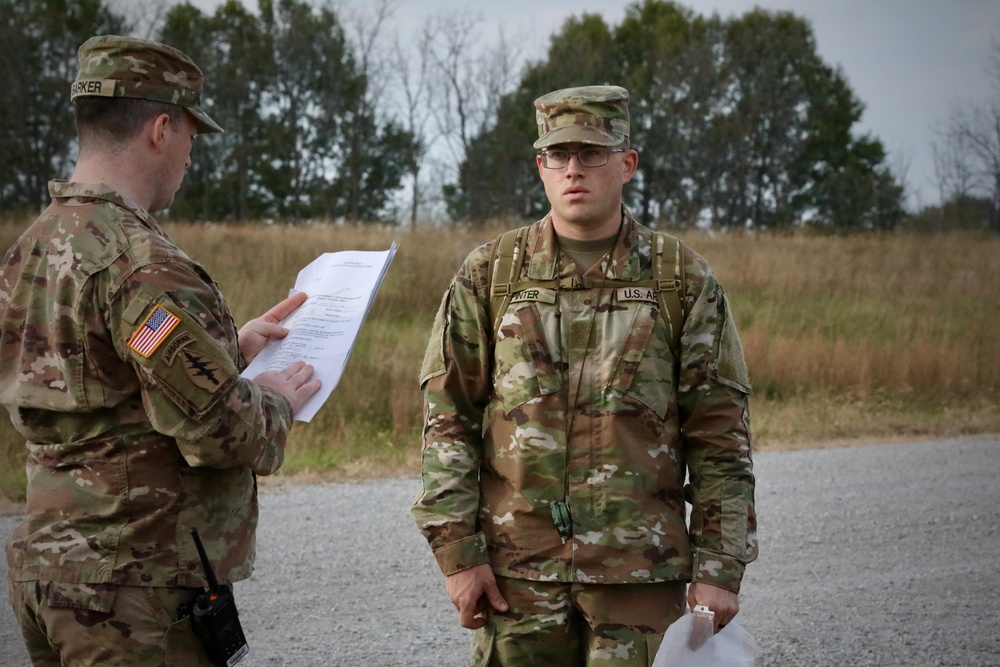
(413, 73)
(981, 134)
(967, 152)
(375, 64)
(145, 17)
(470, 78)
(952, 164)
(367, 33)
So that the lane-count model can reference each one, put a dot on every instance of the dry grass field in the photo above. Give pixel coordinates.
(849, 339)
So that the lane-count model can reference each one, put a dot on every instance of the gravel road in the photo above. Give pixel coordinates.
(884, 555)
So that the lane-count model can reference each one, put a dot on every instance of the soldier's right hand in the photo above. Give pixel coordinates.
(472, 591)
(294, 382)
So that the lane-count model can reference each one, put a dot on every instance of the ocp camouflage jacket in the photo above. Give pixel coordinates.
(580, 415)
(119, 364)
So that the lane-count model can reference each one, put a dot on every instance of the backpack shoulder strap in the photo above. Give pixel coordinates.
(504, 267)
(668, 279)
(668, 274)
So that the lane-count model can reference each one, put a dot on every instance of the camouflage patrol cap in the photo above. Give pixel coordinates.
(116, 66)
(588, 114)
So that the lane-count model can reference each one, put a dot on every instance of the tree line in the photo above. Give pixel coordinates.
(738, 122)
(329, 114)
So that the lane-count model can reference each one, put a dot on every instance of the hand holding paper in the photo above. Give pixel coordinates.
(340, 287)
(255, 334)
(295, 382)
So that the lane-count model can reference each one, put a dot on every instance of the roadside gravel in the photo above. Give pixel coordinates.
(884, 555)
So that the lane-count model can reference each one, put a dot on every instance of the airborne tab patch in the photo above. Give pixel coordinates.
(175, 346)
(153, 331)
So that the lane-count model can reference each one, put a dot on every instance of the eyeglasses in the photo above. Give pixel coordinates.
(591, 156)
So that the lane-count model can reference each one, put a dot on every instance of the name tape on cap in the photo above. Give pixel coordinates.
(93, 87)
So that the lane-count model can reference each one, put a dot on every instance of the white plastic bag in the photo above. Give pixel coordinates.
(732, 646)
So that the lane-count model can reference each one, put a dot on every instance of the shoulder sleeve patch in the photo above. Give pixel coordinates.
(189, 367)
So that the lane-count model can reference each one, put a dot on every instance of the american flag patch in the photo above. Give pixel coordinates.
(153, 331)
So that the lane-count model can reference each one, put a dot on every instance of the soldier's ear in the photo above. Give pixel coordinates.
(630, 162)
(156, 130)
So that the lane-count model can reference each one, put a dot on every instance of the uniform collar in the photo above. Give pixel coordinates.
(69, 190)
(545, 262)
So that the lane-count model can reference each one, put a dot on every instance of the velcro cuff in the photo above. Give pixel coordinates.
(463, 554)
(711, 567)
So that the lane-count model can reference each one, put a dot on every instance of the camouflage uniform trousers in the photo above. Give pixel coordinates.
(140, 626)
(560, 624)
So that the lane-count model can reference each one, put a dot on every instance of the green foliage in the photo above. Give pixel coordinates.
(498, 176)
(39, 41)
(672, 75)
(738, 122)
(860, 195)
(301, 139)
(499, 172)
(230, 48)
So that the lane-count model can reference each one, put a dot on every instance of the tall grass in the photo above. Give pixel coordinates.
(373, 418)
(869, 336)
(866, 314)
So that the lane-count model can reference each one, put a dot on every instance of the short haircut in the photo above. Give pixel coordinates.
(110, 123)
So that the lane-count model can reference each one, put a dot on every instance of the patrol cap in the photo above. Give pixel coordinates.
(588, 114)
(116, 66)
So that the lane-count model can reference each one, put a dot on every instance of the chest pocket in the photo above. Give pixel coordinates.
(644, 370)
(524, 360)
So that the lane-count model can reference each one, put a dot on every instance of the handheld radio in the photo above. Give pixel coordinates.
(214, 617)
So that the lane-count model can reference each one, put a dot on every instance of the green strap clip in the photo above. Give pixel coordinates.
(560, 517)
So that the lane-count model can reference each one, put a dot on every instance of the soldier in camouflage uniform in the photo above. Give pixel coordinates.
(120, 364)
(556, 446)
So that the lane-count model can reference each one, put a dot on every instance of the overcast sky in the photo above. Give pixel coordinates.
(908, 61)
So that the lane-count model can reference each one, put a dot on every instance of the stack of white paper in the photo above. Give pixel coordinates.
(341, 287)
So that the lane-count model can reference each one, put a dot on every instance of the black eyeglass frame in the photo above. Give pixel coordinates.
(603, 151)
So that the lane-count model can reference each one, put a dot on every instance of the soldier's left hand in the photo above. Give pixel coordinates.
(472, 591)
(255, 333)
(724, 603)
